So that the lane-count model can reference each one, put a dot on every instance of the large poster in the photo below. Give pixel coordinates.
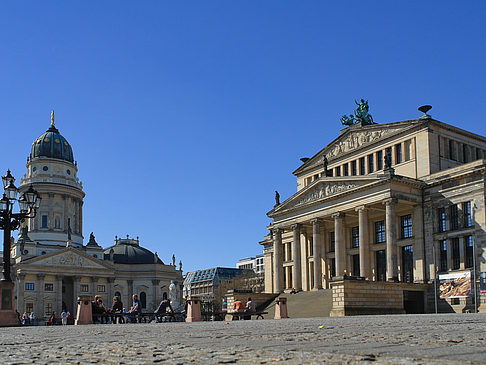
(482, 283)
(457, 285)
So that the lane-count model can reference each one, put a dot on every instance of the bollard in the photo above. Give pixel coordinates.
(85, 312)
(281, 308)
(193, 310)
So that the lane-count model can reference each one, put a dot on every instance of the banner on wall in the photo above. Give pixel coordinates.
(482, 283)
(457, 285)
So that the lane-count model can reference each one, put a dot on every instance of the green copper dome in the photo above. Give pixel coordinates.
(52, 145)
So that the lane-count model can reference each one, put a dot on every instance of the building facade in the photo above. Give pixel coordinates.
(252, 263)
(400, 202)
(52, 266)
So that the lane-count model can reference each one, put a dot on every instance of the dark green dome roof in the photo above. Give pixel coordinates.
(130, 253)
(51, 144)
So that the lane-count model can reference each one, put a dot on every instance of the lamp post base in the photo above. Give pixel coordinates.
(8, 316)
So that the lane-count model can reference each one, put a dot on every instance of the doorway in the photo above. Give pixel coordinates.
(68, 295)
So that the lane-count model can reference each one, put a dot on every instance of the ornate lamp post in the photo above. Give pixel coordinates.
(29, 202)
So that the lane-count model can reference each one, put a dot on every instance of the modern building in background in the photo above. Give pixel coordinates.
(400, 202)
(252, 263)
(51, 264)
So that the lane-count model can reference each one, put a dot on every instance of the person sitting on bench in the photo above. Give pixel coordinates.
(162, 309)
(136, 309)
(250, 308)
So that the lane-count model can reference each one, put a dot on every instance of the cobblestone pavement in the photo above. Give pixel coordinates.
(399, 339)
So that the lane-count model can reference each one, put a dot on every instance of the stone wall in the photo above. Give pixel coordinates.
(358, 297)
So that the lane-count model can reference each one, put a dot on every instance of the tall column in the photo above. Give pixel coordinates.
(130, 292)
(316, 250)
(20, 296)
(364, 248)
(39, 311)
(340, 244)
(462, 259)
(418, 247)
(277, 261)
(110, 282)
(297, 274)
(391, 247)
(59, 295)
(76, 287)
(155, 286)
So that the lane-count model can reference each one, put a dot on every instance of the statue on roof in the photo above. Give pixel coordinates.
(173, 260)
(52, 119)
(361, 115)
(277, 198)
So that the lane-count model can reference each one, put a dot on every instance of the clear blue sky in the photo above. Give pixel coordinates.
(184, 117)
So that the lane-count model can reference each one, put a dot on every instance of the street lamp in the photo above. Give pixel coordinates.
(29, 202)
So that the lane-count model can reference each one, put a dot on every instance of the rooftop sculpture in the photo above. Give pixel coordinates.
(361, 115)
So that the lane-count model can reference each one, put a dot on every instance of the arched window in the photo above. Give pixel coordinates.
(143, 299)
(164, 296)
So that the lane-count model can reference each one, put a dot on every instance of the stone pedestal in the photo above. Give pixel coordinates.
(85, 313)
(193, 310)
(8, 317)
(281, 308)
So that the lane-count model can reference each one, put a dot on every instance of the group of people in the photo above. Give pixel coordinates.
(30, 319)
(249, 308)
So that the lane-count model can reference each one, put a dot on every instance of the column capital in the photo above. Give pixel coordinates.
(21, 275)
(296, 226)
(77, 278)
(389, 201)
(276, 230)
(155, 281)
(315, 221)
(110, 280)
(338, 215)
(361, 208)
(41, 276)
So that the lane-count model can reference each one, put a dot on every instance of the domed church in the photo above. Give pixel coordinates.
(52, 265)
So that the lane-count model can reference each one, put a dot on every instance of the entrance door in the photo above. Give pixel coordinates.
(68, 295)
(407, 264)
(380, 265)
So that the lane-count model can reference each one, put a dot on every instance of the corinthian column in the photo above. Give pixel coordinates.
(364, 249)
(297, 275)
(391, 247)
(316, 249)
(277, 261)
(340, 245)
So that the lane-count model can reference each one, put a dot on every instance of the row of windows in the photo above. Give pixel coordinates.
(84, 288)
(452, 214)
(455, 254)
(460, 152)
(370, 163)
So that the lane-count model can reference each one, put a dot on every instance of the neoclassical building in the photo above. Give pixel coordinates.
(51, 264)
(400, 202)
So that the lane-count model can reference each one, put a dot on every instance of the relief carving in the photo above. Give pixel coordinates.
(324, 190)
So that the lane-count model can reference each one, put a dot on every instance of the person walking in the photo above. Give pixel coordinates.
(64, 317)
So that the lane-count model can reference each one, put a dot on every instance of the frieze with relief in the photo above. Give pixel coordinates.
(357, 139)
(69, 259)
(324, 190)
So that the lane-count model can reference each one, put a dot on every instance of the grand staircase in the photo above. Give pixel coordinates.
(305, 304)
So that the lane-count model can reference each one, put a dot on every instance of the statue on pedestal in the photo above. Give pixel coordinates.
(174, 294)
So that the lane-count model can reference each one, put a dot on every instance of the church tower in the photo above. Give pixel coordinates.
(52, 171)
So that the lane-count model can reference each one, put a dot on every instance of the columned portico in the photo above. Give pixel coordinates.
(277, 260)
(364, 249)
(40, 295)
(391, 248)
(340, 244)
(297, 274)
(316, 249)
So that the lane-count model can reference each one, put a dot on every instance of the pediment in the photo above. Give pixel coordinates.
(321, 190)
(354, 138)
(68, 257)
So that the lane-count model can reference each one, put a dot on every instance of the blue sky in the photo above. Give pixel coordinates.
(184, 117)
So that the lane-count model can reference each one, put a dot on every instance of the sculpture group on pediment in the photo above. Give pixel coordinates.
(324, 190)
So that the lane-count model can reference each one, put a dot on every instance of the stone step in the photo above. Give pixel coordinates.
(305, 304)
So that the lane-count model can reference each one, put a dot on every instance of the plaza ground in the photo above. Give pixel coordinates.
(398, 339)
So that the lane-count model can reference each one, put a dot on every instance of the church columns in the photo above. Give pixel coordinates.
(340, 243)
(40, 295)
(391, 247)
(296, 249)
(316, 249)
(418, 249)
(277, 260)
(20, 296)
(155, 287)
(59, 295)
(364, 249)
(76, 288)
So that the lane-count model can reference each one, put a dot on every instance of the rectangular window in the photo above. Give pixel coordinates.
(332, 242)
(355, 265)
(44, 221)
(388, 152)
(468, 252)
(371, 164)
(452, 150)
(407, 264)
(465, 153)
(398, 153)
(310, 247)
(29, 286)
(346, 169)
(362, 166)
(443, 255)
(380, 265)
(29, 307)
(84, 288)
(454, 214)
(354, 170)
(48, 309)
(379, 160)
(332, 264)
(102, 288)
(48, 287)
(406, 226)
(338, 171)
(380, 236)
(407, 154)
(442, 219)
(355, 237)
(455, 254)
(466, 210)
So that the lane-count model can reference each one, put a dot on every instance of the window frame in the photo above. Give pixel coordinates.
(406, 226)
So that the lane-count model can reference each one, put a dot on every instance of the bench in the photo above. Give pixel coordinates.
(241, 315)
